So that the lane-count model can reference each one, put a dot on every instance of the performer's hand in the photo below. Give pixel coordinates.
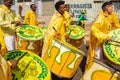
(72, 15)
(14, 63)
(20, 7)
(109, 39)
(16, 22)
(41, 22)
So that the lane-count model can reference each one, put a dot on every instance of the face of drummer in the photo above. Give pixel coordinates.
(61, 9)
(67, 8)
(110, 9)
(8, 3)
(33, 7)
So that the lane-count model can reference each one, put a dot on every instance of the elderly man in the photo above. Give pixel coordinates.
(8, 21)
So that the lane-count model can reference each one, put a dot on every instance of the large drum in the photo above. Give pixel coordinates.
(63, 59)
(76, 34)
(29, 37)
(100, 71)
(29, 67)
(112, 49)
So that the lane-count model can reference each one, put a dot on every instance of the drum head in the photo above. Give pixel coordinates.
(112, 49)
(75, 32)
(29, 67)
(30, 32)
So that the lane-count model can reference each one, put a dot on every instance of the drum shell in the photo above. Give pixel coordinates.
(75, 42)
(61, 60)
(31, 45)
(99, 70)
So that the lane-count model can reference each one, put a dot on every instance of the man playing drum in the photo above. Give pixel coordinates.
(30, 16)
(8, 19)
(100, 28)
(5, 67)
(56, 27)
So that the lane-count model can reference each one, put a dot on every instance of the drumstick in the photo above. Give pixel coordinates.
(116, 41)
(54, 29)
(22, 56)
(23, 72)
(70, 31)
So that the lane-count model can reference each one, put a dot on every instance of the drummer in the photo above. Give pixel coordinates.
(30, 16)
(100, 28)
(56, 29)
(68, 17)
(5, 68)
(8, 19)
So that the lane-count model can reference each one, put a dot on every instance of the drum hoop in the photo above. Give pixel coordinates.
(33, 54)
(29, 39)
(80, 29)
(74, 49)
(103, 64)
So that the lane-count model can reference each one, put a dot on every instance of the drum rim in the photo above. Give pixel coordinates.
(33, 56)
(71, 47)
(81, 36)
(28, 38)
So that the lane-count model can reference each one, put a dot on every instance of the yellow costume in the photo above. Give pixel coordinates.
(5, 72)
(56, 26)
(6, 17)
(103, 24)
(3, 47)
(68, 18)
(30, 18)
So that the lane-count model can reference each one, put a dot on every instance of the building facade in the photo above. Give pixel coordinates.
(45, 8)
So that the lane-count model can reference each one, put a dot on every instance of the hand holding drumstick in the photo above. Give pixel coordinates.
(15, 62)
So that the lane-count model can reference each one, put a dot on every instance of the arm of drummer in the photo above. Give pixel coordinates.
(97, 25)
(67, 18)
(18, 17)
(98, 34)
(115, 21)
(2, 21)
(13, 63)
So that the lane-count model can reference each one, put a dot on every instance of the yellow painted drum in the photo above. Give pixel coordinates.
(29, 37)
(63, 59)
(100, 71)
(29, 67)
(76, 34)
(112, 49)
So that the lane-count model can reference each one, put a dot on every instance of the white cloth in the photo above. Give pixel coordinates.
(10, 42)
(98, 53)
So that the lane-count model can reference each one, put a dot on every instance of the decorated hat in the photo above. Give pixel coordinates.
(83, 11)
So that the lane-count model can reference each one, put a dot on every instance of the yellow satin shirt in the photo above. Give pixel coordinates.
(55, 27)
(6, 17)
(30, 18)
(5, 71)
(68, 18)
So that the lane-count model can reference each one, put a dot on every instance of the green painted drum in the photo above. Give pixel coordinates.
(75, 32)
(29, 67)
(112, 49)
(30, 32)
